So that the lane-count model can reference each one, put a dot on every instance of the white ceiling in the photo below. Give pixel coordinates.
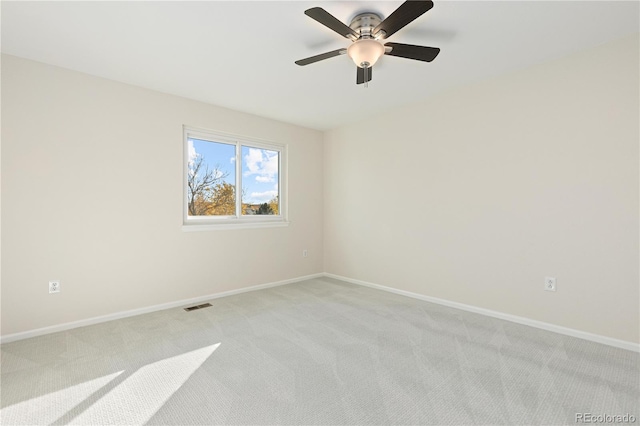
(241, 54)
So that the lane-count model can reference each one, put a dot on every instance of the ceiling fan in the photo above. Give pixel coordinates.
(365, 31)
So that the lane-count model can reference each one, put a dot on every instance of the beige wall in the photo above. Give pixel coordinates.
(473, 196)
(92, 195)
(476, 195)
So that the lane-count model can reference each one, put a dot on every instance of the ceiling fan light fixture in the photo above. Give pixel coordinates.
(365, 52)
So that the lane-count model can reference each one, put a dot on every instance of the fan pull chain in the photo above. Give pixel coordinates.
(366, 75)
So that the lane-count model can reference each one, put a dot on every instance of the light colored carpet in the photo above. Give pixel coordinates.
(316, 352)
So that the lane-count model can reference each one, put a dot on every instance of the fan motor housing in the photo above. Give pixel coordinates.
(364, 24)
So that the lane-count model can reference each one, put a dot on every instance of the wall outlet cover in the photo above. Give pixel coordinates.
(550, 283)
(54, 286)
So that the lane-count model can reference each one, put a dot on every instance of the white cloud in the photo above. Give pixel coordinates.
(232, 160)
(191, 151)
(253, 160)
(261, 163)
(262, 197)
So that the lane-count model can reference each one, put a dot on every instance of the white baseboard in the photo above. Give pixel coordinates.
(623, 344)
(124, 314)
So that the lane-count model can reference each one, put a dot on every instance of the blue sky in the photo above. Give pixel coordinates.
(259, 167)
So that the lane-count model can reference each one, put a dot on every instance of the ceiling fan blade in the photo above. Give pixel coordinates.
(360, 76)
(403, 15)
(331, 22)
(409, 51)
(320, 57)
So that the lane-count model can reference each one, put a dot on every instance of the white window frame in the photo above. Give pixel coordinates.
(204, 223)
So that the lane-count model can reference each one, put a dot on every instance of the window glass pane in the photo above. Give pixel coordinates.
(260, 171)
(211, 179)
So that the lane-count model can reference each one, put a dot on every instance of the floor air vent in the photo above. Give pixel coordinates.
(193, 308)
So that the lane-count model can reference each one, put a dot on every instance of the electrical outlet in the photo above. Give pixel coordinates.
(54, 286)
(550, 283)
(305, 253)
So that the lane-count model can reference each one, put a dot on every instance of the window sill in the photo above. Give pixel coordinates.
(196, 227)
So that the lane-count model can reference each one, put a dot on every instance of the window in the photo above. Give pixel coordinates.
(232, 181)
